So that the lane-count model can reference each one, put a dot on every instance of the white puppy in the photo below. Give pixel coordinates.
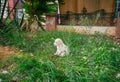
(62, 49)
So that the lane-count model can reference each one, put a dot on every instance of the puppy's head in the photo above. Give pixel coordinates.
(58, 42)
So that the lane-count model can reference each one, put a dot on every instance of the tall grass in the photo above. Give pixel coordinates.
(92, 58)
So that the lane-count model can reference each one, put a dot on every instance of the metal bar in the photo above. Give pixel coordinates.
(4, 6)
(104, 19)
(117, 7)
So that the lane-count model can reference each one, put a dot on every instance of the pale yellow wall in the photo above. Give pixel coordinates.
(70, 5)
(91, 5)
(76, 6)
(80, 5)
(108, 5)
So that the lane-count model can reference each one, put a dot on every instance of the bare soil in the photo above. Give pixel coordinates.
(6, 51)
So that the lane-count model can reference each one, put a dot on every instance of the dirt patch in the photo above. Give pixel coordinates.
(5, 51)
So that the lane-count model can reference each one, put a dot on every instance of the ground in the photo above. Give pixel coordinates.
(6, 51)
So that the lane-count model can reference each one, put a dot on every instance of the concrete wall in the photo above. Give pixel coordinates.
(110, 31)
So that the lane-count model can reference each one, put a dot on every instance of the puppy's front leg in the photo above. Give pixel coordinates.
(57, 52)
(62, 54)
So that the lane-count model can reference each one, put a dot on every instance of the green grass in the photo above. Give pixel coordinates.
(92, 58)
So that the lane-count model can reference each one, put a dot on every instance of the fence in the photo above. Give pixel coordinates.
(104, 19)
(10, 7)
(1, 8)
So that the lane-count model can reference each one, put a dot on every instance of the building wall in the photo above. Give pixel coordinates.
(76, 6)
(108, 5)
(70, 5)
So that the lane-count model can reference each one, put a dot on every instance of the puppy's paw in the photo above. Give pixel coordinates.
(62, 54)
(55, 53)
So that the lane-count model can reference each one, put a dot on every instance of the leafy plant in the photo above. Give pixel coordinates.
(9, 28)
(39, 8)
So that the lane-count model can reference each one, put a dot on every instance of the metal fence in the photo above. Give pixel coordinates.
(104, 19)
(6, 9)
(11, 8)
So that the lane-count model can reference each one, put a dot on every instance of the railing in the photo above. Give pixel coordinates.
(2, 2)
(104, 19)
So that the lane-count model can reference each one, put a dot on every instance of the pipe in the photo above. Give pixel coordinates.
(116, 8)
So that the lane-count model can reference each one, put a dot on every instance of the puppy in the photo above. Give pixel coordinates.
(62, 49)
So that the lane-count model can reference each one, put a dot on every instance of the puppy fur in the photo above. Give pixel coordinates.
(62, 49)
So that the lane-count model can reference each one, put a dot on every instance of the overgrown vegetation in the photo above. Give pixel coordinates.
(92, 58)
